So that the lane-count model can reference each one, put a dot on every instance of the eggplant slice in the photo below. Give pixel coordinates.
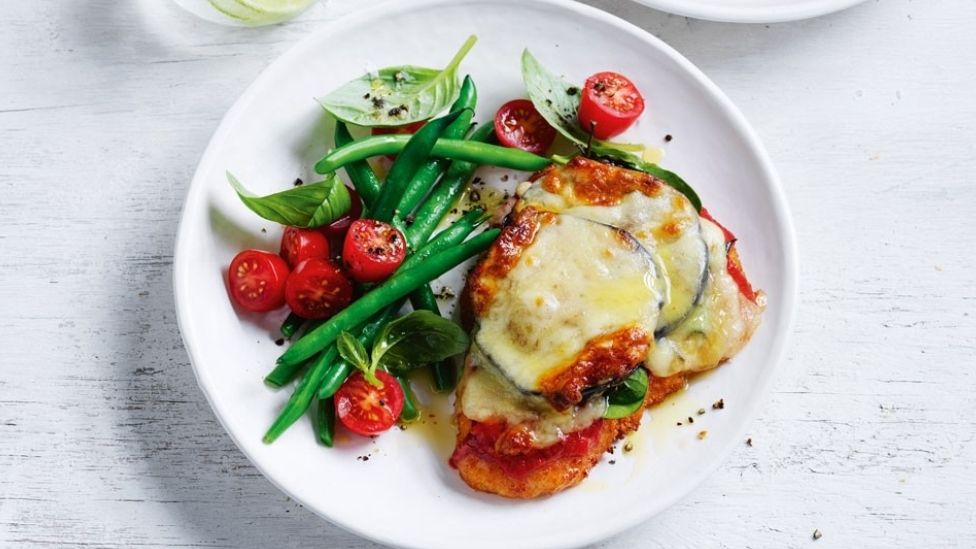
(664, 222)
(575, 284)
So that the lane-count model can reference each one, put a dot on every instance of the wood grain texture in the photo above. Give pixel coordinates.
(868, 435)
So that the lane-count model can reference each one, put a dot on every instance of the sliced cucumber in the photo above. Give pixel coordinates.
(282, 8)
(236, 11)
(260, 12)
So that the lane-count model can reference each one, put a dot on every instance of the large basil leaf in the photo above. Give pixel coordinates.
(416, 339)
(394, 96)
(311, 205)
(558, 102)
(627, 398)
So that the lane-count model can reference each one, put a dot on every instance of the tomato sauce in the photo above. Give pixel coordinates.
(484, 441)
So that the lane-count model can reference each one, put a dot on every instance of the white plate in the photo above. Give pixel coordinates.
(750, 11)
(406, 494)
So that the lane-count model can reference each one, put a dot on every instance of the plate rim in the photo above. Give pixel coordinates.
(723, 14)
(783, 331)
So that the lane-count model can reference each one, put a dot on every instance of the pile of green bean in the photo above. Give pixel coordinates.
(430, 173)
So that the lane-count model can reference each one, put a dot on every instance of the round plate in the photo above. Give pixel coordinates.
(405, 494)
(750, 11)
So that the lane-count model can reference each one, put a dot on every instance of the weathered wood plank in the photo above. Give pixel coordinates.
(106, 441)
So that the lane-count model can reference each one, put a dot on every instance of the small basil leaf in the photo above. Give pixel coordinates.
(558, 102)
(627, 398)
(394, 96)
(418, 338)
(311, 205)
(353, 352)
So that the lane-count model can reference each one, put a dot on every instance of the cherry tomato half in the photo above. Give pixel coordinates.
(519, 125)
(317, 288)
(373, 250)
(366, 409)
(338, 228)
(609, 105)
(257, 280)
(297, 245)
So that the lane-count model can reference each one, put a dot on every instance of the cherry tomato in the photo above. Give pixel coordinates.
(609, 105)
(519, 125)
(338, 228)
(257, 280)
(373, 250)
(405, 129)
(297, 245)
(367, 409)
(317, 289)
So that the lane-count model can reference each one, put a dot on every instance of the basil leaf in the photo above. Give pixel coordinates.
(394, 96)
(311, 205)
(416, 339)
(627, 398)
(558, 102)
(353, 352)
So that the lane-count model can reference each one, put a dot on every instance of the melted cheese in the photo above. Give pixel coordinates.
(576, 281)
(488, 396)
(716, 328)
(665, 224)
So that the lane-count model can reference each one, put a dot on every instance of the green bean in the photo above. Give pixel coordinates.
(399, 285)
(333, 380)
(458, 149)
(325, 421)
(291, 325)
(423, 300)
(410, 411)
(283, 375)
(447, 192)
(360, 174)
(428, 174)
(415, 152)
(302, 397)
(423, 297)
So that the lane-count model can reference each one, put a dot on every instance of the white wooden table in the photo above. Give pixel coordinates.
(868, 435)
